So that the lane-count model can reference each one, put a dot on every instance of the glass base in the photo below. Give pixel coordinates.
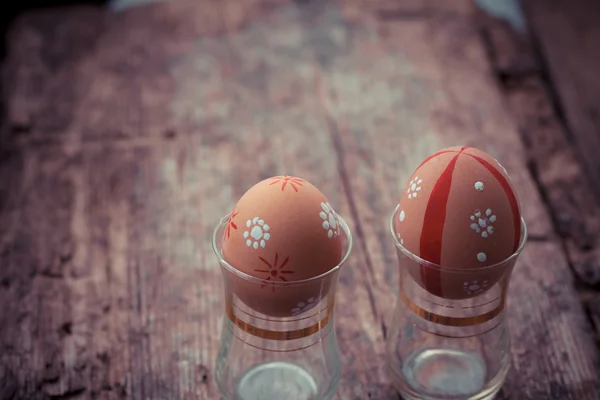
(445, 374)
(276, 380)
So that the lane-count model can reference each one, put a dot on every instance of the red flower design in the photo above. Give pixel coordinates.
(293, 181)
(274, 273)
(230, 223)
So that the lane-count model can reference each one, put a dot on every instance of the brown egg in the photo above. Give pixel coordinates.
(281, 231)
(459, 211)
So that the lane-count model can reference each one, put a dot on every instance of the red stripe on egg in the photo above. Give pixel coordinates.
(512, 200)
(433, 228)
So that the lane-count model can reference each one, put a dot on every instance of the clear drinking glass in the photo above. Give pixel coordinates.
(450, 348)
(291, 356)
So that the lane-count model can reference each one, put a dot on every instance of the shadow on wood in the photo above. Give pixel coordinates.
(13, 9)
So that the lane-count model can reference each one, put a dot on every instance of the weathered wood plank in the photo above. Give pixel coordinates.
(576, 211)
(555, 160)
(278, 129)
(568, 36)
(159, 138)
(143, 210)
(37, 254)
(432, 86)
(554, 163)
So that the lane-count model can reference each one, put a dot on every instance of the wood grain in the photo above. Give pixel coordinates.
(131, 134)
(568, 34)
(553, 158)
(432, 87)
(150, 180)
(555, 163)
(576, 211)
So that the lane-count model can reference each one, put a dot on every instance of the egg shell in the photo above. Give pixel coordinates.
(459, 210)
(288, 301)
(453, 285)
(282, 230)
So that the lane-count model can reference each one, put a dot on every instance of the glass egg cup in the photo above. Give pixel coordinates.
(450, 348)
(291, 354)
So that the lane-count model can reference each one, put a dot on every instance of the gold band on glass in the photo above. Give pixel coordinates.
(452, 321)
(278, 335)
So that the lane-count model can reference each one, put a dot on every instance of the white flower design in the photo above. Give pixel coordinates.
(330, 221)
(483, 223)
(414, 187)
(257, 233)
(304, 306)
(474, 287)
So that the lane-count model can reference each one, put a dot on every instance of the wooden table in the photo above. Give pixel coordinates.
(126, 136)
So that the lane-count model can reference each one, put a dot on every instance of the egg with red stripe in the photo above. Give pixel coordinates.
(282, 231)
(459, 210)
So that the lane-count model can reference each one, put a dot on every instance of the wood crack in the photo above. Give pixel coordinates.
(334, 133)
(403, 15)
(230, 89)
(70, 394)
(548, 139)
(550, 86)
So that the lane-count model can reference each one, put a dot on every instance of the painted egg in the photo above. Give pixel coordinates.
(281, 231)
(459, 210)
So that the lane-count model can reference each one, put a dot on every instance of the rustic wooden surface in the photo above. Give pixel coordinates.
(128, 135)
(569, 37)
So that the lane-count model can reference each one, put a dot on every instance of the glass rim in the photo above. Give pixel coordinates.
(254, 279)
(429, 264)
